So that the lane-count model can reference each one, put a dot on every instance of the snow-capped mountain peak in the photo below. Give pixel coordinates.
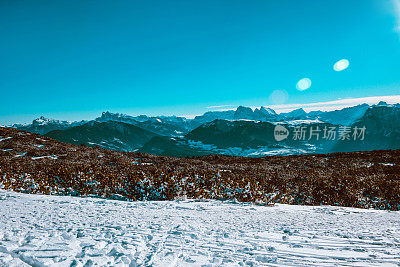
(46, 121)
(268, 111)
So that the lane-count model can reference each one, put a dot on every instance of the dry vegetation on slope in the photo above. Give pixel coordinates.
(31, 163)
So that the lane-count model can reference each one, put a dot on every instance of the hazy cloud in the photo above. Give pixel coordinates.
(337, 104)
(221, 106)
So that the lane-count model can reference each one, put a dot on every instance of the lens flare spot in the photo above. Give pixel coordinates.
(303, 84)
(278, 97)
(341, 65)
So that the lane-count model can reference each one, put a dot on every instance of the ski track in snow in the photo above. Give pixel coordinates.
(42, 230)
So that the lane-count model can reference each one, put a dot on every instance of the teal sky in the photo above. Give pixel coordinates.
(73, 59)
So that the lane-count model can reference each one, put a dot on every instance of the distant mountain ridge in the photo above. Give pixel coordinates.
(382, 123)
(44, 125)
(162, 125)
(242, 132)
(178, 126)
(109, 135)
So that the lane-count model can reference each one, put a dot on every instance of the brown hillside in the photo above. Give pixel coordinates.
(32, 163)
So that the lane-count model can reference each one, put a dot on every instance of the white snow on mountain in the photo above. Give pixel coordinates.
(37, 230)
(299, 122)
(45, 121)
(249, 152)
(108, 116)
(269, 111)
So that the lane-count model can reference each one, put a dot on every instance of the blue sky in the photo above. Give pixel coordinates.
(74, 59)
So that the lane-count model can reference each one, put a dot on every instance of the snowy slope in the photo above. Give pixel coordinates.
(60, 231)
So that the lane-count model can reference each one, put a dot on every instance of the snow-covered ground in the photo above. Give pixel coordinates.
(62, 231)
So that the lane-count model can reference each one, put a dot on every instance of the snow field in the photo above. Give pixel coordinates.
(42, 230)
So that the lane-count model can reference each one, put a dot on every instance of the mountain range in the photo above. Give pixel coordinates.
(241, 132)
(109, 135)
